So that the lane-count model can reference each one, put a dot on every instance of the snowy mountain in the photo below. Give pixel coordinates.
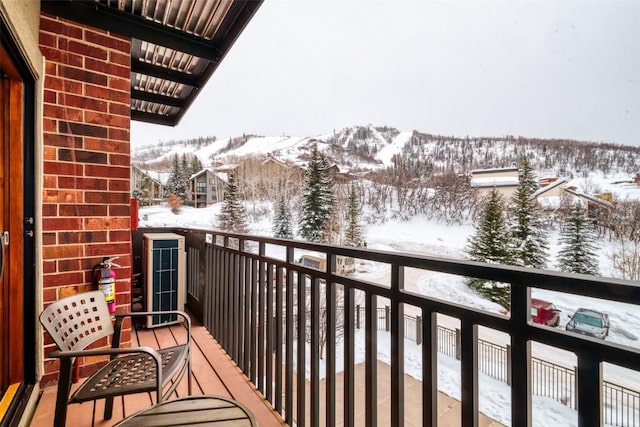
(371, 148)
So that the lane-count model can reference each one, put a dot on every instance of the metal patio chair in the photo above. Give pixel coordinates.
(78, 321)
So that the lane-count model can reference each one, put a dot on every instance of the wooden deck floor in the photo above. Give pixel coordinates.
(213, 373)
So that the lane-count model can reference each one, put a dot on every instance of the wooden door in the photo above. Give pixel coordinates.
(11, 224)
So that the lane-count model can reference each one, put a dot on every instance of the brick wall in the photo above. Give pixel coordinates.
(86, 124)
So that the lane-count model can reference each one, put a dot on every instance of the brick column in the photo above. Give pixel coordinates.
(86, 186)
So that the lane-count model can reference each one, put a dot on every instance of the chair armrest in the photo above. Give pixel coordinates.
(180, 313)
(59, 354)
(122, 316)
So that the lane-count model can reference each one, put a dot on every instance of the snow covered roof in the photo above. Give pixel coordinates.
(548, 187)
(493, 170)
(494, 181)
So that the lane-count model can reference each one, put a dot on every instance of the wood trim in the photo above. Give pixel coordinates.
(12, 294)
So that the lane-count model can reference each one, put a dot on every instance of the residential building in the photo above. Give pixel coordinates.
(145, 186)
(504, 180)
(207, 187)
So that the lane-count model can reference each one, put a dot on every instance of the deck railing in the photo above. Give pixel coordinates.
(244, 283)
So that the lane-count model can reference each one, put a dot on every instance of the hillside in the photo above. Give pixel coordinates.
(374, 148)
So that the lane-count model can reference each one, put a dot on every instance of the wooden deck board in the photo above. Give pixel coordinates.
(213, 373)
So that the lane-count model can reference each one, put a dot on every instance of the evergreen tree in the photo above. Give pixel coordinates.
(282, 220)
(528, 236)
(196, 165)
(177, 183)
(318, 199)
(353, 233)
(578, 253)
(491, 244)
(232, 216)
(171, 184)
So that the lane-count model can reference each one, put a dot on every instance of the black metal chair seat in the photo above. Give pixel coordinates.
(76, 322)
(131, 374)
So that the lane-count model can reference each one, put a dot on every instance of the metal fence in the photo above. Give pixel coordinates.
(621, 404)
(239, 300)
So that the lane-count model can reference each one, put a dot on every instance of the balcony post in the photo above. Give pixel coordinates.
(397, 345)
(387, 318)
(419, 330)
(589, 376)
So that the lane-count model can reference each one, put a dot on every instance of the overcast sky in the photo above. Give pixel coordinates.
(560, 69)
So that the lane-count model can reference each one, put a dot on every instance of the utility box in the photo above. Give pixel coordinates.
(164, 271)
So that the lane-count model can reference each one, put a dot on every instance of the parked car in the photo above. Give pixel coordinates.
(544, 312)
(589, 322)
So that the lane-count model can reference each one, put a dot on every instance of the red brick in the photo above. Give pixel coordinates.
(107, 171)
(96, 118)
(108, 223)
(67, 238)
(103, 92)
(104, 145)
(119, 236)
(50, 96)
(119, 159)
(82, 129)
(82, 210)
(87, 103)
(67, 265)
(119, 185)
(54, 25)
(120, 58)
(106, 197)
(50, 68)
(87, 50)
(49, 209)
(104, 67)
(62, 251)
(62, 85)
(70, 278)
(82, 183)
(120, 121)
(111, 249)
(120, 109)
(48, 239)
(64, 57)
(62, 112)
(47, 39)
(50, 153)
(82, 75)
(121, 84)
(49, 125)
(121, 134)
(58, 224)
(57, 140)
(119, 44)
(119, 210)
(82, 156)
(62, 196)
(59, 168)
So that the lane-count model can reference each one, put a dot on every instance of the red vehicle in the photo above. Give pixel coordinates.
(544, 312)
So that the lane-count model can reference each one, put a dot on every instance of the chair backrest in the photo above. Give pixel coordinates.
(77, 321)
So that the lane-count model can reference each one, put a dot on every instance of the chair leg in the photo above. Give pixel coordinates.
(108, 408)
(64, 386)
(189, 373)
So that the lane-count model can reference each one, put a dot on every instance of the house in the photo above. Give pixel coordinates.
(594, 206)
(504, 180)
(207, 187)
(74, 76)
(145, 186)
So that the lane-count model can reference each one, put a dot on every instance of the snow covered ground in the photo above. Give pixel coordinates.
(424, 237)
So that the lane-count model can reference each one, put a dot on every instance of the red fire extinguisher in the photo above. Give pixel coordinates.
(106, 281)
